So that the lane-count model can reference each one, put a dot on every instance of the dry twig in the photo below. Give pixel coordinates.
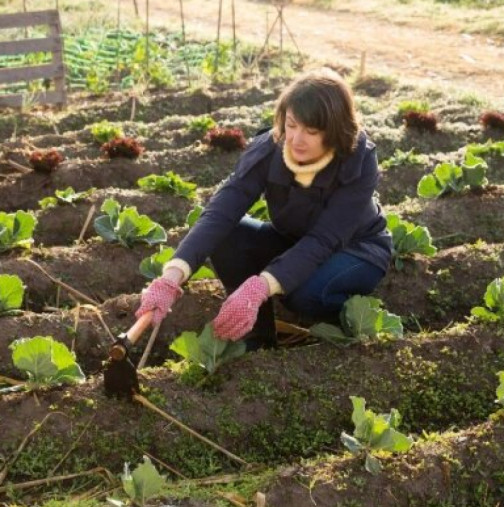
(162, 463)
(20, 167)
(10, 381)
(233, 498)
(72, 447)
(59, 478)
(90, 214)
(65, 286)
(146, 403)
(98, 313)
(19, 450)
(149, 346)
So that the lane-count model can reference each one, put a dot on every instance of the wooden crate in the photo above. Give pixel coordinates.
(54, 71)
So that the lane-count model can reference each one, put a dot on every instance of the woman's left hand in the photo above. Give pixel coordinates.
(238, 313)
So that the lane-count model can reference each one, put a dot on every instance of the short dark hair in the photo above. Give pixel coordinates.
(321, 99)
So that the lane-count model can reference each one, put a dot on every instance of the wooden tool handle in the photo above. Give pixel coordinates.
(136, 330)
(118, 351)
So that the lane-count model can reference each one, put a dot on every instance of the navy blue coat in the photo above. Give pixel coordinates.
(336, 212)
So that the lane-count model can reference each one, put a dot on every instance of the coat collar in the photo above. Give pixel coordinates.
(261, 146)
(351, 166)
(344, 170)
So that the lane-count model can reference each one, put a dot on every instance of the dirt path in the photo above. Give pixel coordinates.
(473, 63)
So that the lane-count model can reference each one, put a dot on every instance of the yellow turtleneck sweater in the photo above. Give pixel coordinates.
(304, 174)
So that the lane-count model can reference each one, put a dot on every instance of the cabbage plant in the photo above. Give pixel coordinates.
(127, 226)
(374, 432)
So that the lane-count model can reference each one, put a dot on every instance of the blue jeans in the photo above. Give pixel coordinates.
(250, 247)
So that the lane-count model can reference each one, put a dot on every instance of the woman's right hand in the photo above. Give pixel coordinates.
(160, 295)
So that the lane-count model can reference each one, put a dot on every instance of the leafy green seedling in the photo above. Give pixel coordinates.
(268, 116)
(218, 64)
(259, 210)
(408, 239)
(193, 215)
(450, 178)
(500, 389)
(126, 226)
(168, 182)
(416, 106)
(144, 483)
(206, 350)
(494, 301)
(361, 319)
(400, 158)
(16, 230)
(104, 131)
(67, 196)
(11, 294)
(202, 124)
(152, 267)
(45, 361)
(374, 432)
(489, 148)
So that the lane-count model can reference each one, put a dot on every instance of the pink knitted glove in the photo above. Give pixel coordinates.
(238, 313)
(159, 297)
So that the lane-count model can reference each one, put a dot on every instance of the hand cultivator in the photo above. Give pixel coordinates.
(120, 378)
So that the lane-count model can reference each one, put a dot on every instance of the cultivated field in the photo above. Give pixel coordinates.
(281, 411)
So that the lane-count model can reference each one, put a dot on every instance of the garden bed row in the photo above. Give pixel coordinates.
(452, 469)
(428, 293)
(62, 224)
(203, 166)
(266, 407)
(89, 330)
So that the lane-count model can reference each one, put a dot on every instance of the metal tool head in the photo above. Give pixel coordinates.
(120, 376)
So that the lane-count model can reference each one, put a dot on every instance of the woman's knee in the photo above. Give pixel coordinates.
(324, 295)
(359, 279)
(303, 301)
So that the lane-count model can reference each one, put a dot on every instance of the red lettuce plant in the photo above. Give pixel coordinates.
(226, 139)
(492, 119)
(45, 161)
(126, 147)
(423, 121)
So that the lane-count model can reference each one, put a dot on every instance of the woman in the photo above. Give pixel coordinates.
(327, 239)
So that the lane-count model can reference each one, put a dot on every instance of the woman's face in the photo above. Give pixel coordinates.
(306, 144)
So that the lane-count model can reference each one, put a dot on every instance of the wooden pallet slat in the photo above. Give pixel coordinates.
(26, 19)
(17, 47)
(17, 100)
(30, 73)
(53, 43)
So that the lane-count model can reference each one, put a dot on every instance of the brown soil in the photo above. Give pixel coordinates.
(456, 219)
(431, 293)
(431, 473)
(340, 35)
(83, 331)
(312, 391)
(28, 188)
(62, 224)
(95, 269)
(275, 406)
(201, 165)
